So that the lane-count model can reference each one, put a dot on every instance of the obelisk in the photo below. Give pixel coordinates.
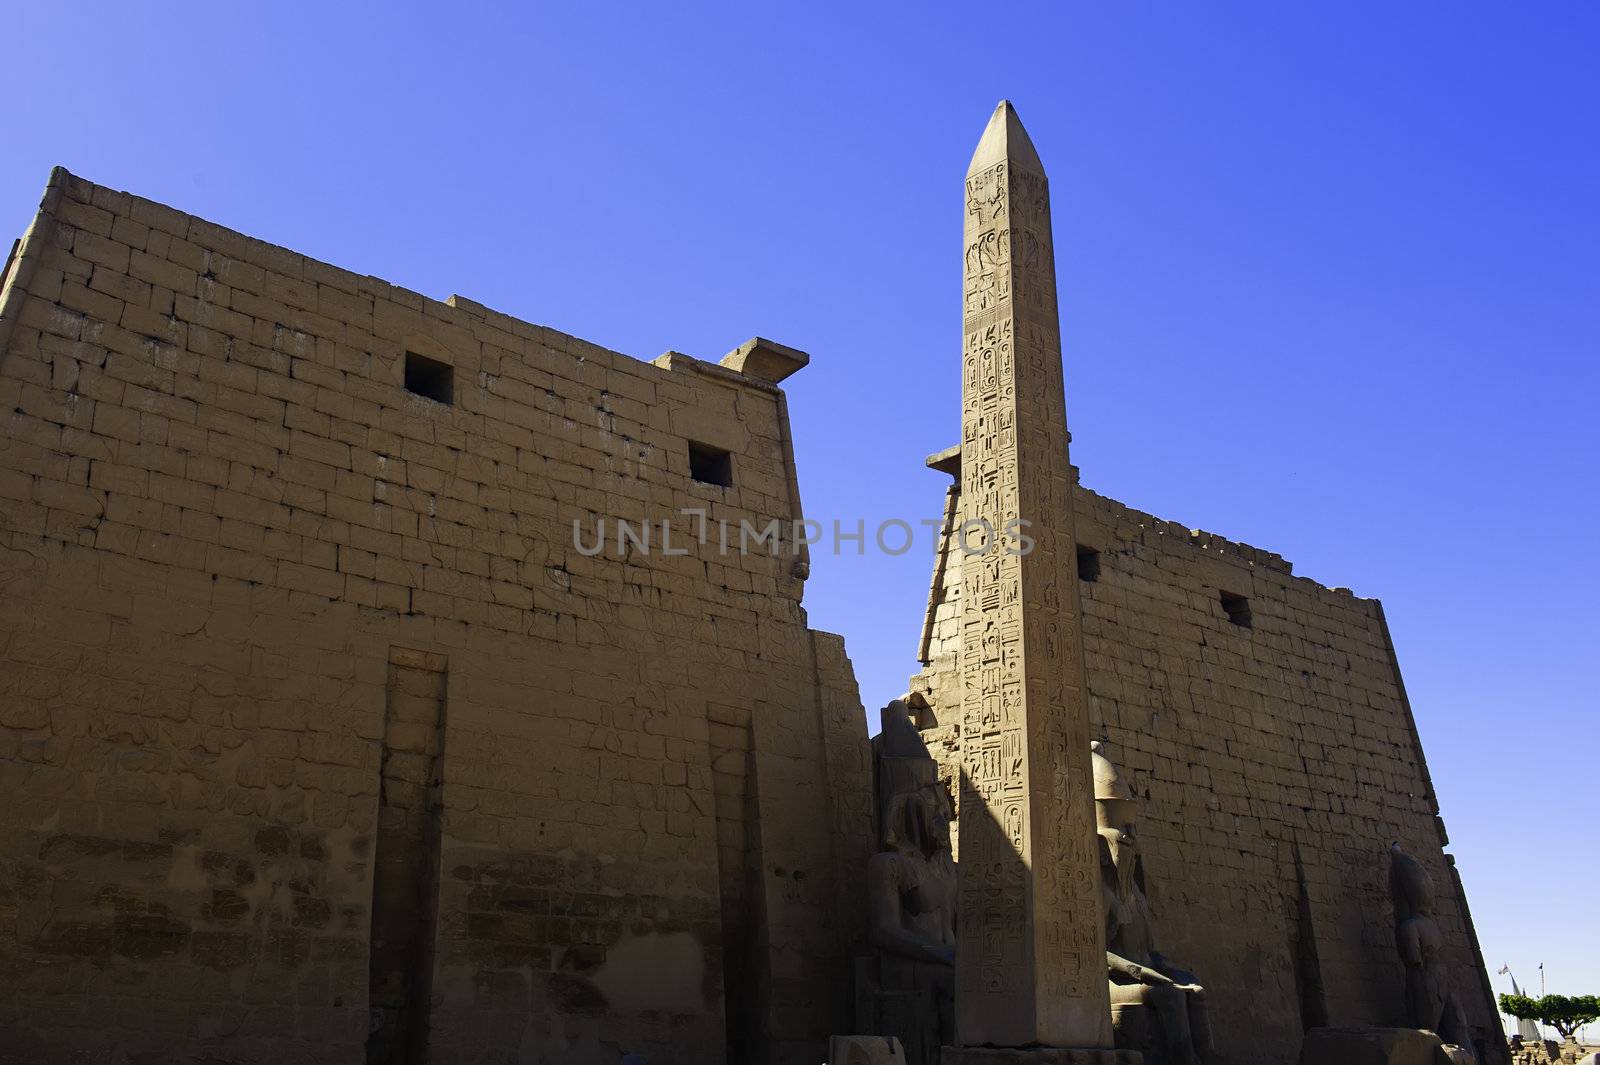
(1030, 969)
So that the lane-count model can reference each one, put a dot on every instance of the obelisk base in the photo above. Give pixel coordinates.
(1037, 1056)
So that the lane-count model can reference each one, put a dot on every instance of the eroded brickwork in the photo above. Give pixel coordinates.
(1275, 763)
(222, 514)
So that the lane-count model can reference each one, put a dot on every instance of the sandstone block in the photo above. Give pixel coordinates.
(1370, 1046)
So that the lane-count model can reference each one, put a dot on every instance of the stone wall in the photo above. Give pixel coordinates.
(1276, 758)
(314, 722)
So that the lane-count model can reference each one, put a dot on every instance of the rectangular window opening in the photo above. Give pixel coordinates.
(430, 378)
(710, 465)
(1237, 607)
(1088, 564)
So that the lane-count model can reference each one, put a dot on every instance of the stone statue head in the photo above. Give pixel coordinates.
(1115, 813)
(1113, 798)
(918, 822)
(912, 805)
(1410, 886)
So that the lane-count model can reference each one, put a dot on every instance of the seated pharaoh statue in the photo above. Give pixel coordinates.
(907, 987)
(1145, 986)
(1431, 1004)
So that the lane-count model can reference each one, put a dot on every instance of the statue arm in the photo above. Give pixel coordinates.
(1142, 974)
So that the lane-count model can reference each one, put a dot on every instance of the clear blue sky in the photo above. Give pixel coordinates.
(1329, 281)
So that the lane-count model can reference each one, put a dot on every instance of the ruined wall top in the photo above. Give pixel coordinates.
(758, 363)
(949, 461)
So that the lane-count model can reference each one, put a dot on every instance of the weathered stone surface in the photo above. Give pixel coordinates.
(1031, 964)
(906, 988)
(230, 535)
(1370, 1046)
(1264, 718)
(1431, 1000)
(766, 360)
(310, 705)
(1157, 1008)
(1295, 786)
(1037, 1056)
(865, 1050)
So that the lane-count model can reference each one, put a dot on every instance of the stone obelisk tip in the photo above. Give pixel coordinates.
(1004, 140)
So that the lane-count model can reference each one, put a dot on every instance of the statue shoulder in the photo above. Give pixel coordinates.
(886, 865)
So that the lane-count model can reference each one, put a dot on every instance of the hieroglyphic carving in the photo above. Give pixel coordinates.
(1031, 965)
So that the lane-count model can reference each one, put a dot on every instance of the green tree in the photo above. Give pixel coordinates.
(1565, 1013)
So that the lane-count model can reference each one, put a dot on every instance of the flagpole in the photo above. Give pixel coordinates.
(1505, 970)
